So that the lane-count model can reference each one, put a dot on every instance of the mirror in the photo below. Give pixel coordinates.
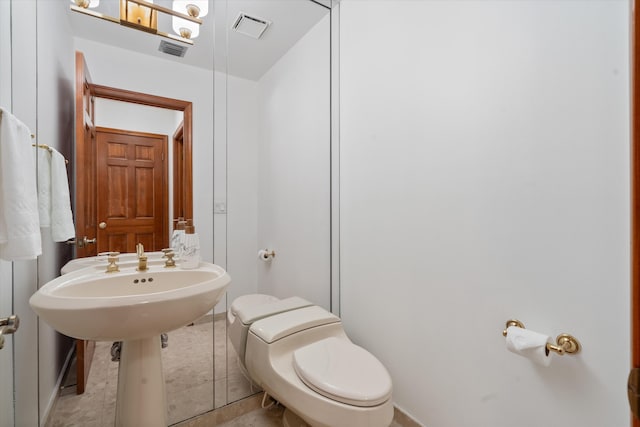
(244, 212)
(129, 60)
(278, 122)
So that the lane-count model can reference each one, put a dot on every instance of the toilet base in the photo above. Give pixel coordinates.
(290, 419)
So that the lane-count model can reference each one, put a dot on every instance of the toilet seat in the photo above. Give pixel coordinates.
(342, 371)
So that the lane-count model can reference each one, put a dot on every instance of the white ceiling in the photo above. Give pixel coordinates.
(247, 57)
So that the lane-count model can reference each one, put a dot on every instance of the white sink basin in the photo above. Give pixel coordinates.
(99, 262)
(126, 305)
(133, 307)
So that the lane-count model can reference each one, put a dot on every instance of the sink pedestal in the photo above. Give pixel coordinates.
(141, 399)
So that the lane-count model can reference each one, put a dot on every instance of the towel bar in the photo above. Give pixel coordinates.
(46, 147)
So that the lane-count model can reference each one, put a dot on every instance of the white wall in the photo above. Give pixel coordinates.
(294, 170)
(55, 126)
(111, 66)
(242, 178)
(220, 174)
(485, 176)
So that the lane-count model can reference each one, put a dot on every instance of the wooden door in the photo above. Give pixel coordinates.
(85, 162)
(132, 176)
(85, 194)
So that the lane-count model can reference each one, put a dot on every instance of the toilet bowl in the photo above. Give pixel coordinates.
(301, 356)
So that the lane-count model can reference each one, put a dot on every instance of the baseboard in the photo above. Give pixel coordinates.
(44, 419)
(404, 419)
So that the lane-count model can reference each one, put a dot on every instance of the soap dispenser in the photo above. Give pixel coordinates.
(177, 238)
(191, 249)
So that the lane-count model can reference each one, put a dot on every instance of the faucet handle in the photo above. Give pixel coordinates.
(170, 262)
(140, 249)
(113, 258)
(142, 263)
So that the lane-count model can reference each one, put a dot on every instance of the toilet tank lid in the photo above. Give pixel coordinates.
(252, 312)
(249, 300)
(273, 328)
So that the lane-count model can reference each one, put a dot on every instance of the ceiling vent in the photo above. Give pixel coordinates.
(250, 25)
(172, 49)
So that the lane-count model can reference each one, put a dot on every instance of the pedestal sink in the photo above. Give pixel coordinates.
(133, 307)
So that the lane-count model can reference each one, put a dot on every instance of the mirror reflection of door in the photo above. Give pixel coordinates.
(147, 210)
(132, 171)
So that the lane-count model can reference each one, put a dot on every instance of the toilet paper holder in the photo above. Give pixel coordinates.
(565, 343)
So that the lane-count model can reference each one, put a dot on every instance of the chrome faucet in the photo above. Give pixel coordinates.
(142, 258)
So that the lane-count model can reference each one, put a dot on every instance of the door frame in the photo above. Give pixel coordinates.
(186, 107)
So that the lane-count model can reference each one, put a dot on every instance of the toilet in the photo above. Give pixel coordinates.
(299, 354)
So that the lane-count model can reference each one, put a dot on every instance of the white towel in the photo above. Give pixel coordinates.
(19, 223)
(62, 227)
(44, 187)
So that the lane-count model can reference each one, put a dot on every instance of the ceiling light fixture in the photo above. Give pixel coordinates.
(143, 15)
(140, 17)
(193, 8)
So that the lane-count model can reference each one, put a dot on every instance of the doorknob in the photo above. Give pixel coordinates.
(633, 391)
(8, 325)
(102, 225)
(81, 243)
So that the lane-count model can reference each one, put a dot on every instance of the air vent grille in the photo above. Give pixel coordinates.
(250, 25)
(172, 49)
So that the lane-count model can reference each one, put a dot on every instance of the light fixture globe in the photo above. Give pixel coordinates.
(86, 3)
(185, 33)
(193, 10)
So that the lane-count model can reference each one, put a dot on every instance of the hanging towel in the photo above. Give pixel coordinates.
(44, 187)
(62, 228)
(19, 222)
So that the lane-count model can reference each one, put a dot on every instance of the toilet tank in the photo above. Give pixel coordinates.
(247, 309)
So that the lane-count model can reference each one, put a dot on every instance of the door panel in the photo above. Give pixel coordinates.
(131, 174)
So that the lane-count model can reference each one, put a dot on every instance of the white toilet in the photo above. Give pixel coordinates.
(299, 353)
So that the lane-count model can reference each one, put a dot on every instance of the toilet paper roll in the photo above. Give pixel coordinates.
(529, 344)
(265, 255)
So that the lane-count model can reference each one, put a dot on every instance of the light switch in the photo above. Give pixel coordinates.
(219, 207)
